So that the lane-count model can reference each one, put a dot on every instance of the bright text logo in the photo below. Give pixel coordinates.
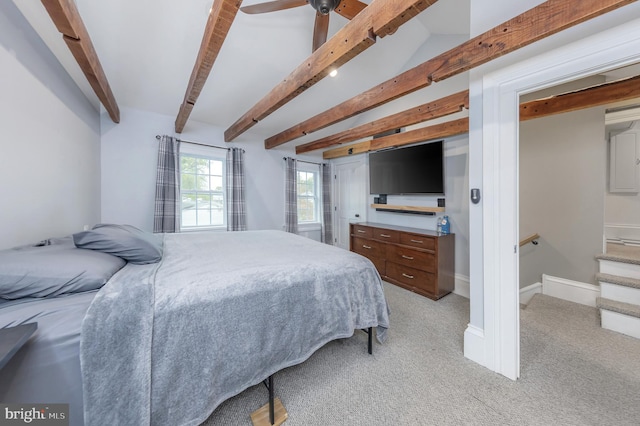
(34, 414)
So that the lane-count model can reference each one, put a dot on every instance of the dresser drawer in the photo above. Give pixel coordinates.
(368, 248)
(417, 240)
(417, 259)
(386, 235)
(412, 277)
(362, 231)
(379, 264)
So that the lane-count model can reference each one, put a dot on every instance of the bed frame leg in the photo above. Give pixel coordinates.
(369, 331)
(270, 387)
(273, 413)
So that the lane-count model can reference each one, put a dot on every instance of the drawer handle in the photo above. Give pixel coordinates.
(417, 241)
(367, 247)
(407, 257)
(385, 236)
(361, 231)
(407, 276)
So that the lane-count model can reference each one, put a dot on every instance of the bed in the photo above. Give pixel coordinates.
(166, 342)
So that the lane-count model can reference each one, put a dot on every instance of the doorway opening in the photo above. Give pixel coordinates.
(567, 196)
(496, 345)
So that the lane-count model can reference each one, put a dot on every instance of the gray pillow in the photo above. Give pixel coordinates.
(128, 242)
(53, 269)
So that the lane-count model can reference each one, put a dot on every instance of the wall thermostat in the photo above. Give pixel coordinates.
(475, 195)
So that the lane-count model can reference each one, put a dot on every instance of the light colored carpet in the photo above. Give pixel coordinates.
(572, 373)
(621, 253)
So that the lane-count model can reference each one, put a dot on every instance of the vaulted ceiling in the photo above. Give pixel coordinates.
(148, 49)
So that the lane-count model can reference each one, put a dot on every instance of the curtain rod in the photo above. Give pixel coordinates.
(198, 143)
(308, 162)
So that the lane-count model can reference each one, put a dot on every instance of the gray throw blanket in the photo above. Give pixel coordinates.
(166, 343)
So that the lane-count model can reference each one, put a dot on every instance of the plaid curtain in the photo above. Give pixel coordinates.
(166, 217)
(327, 218)
(290, 196)
(236, 205)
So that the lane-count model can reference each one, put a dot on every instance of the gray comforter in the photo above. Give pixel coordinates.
(166, 343)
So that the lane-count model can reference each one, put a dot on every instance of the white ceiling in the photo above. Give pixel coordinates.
(148, 48)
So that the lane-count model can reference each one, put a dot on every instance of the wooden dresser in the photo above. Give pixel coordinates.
(419, 260)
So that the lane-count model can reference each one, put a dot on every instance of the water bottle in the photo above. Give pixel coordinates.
(439, 224)
(446, 225)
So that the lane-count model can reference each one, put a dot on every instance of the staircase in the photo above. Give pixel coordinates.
(619, 300)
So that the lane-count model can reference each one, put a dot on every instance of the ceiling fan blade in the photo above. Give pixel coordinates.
(350, 8)
(320, 30)
(272, 6)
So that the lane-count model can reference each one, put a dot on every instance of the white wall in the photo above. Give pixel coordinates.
(491, 260)
(456, 166)
(486, 14)
(562, 179)
(50, 162)
(435, 45)
(129, 157)
(455, 151)
(491, 339)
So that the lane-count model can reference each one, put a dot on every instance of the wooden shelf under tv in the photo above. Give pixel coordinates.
(408, 209)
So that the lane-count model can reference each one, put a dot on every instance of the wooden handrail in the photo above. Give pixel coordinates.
(533, 238)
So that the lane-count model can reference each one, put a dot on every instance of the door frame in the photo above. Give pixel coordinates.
(360, 159)
(496, 343)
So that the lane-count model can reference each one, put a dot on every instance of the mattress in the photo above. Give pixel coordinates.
(167, 342)
(47, 368)
(219, 313)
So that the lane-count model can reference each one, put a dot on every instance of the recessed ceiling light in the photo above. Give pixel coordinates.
(333, 73)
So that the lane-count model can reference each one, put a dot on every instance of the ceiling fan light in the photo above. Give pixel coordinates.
(324, 6)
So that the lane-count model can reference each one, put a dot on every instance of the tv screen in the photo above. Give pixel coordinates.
(417, 169)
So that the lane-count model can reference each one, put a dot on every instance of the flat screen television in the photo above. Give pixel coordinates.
(418, 169)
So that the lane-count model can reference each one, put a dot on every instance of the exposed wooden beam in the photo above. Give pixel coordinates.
(541, 21)
(222, 14)
(437, 131)
(380, 18)
(435, 109)
(602, 94)
(407, 82)
(67, 20)
(591, 97)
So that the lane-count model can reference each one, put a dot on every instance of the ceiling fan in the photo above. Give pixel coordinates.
(345, 8)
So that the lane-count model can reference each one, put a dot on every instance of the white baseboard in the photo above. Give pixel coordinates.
(462, 286)
(474, 345)
(526, 293)
(573, 291)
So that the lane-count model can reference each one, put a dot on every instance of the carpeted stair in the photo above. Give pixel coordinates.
(620, 307)
(619, 300)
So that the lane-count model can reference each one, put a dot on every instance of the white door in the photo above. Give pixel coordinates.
(350, 198)
(623, 167)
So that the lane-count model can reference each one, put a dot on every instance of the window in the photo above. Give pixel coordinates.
(308, 196)
(202, 190)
